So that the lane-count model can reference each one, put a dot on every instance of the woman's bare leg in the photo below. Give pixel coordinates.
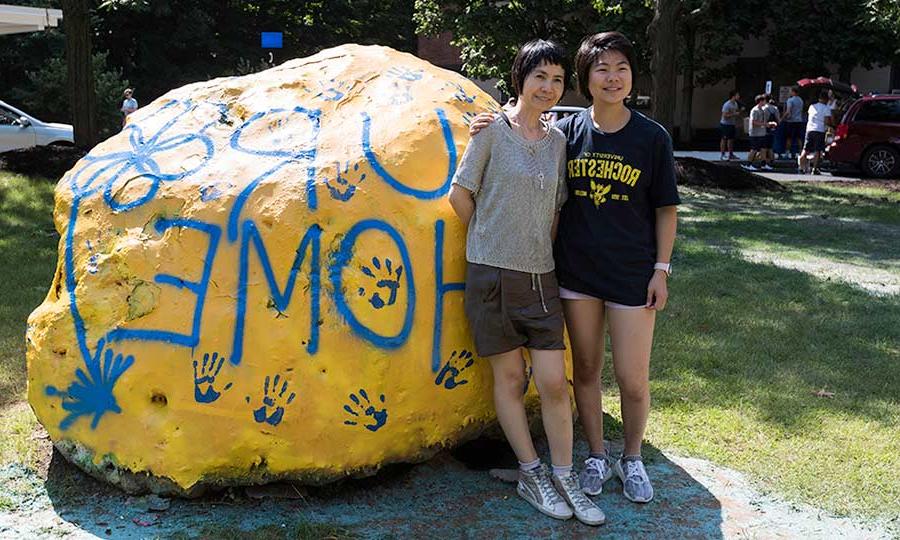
(584, 321)
(509, 378)
(631, 334)
(549, 369)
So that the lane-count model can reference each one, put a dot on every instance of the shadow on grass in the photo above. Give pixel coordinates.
(444, 497)
(755, 336)
(814, 220)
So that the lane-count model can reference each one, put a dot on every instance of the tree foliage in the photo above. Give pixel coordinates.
(163, 44)
(489, 33)
(811, 34)
(200, 39)
(46, 91)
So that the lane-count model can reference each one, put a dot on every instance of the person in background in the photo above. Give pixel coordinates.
(129, 104)
(758, 121)
(819, 119)
(772, 115)
(793, 119)
(731, 113)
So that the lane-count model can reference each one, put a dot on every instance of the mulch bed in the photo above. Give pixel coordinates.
(697, 172)
(46, 161)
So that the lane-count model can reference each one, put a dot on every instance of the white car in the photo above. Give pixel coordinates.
(20, 130)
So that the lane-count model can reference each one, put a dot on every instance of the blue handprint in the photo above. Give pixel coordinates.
(205, 378)
(406, 74)
(346, 186)
(364, 407)
(402, 94)
(93, 261)
(214, 190)
(92, 393)
(389, 281)
(461, 94)
(334, 92)
(272, 409)
(448, 374)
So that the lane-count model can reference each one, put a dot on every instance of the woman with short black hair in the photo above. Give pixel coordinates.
(613, 252)
(508, 190)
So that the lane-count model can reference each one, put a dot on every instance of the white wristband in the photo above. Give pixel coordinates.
(665, 267)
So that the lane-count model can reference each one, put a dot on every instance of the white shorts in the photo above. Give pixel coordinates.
(566, 294)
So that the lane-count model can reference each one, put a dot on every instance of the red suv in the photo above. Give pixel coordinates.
(868, 136)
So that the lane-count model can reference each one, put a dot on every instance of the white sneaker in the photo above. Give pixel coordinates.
(585, 510)
(595, 473)
(749, 168)
(635, 483)
(768, 167)
(537, 488)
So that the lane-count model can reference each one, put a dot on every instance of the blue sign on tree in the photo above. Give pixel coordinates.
(270, 40)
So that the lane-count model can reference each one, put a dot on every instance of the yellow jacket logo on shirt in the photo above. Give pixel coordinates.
(598, 192)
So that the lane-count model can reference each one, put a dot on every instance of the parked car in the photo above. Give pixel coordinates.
(868, 136)
(21, 130)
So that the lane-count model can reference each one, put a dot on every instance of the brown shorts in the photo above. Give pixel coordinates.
(505, 310)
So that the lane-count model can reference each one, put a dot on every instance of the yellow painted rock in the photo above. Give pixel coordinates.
(260, 278)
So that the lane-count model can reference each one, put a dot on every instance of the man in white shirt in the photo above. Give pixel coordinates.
(819, 118)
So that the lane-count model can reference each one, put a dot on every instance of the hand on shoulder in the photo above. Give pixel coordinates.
(481, 121)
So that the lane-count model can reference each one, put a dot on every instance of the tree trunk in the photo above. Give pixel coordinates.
(686, 129)
(664, 39)
(82, 93)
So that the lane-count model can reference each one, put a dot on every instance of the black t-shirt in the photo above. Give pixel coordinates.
(606, 244)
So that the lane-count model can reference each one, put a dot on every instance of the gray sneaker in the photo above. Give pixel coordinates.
(537, 488)
(635, 482)
(585, 510)
(595, 473)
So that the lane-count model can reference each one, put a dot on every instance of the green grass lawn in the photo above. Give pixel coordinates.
(28, 243)
(740, 352)
(744, 346)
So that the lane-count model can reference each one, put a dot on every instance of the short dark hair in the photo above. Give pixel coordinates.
(591, 48)
(795, 89)
(532, 55)
(824, 95)
(732, 94)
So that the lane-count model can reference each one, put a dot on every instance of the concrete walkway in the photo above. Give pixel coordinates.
(438, 499)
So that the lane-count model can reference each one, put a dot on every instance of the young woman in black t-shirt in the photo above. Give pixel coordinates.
(612, 252)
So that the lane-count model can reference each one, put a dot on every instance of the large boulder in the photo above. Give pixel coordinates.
(260, 278)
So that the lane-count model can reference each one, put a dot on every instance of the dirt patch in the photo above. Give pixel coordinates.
(694, 498)
(698, 172)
